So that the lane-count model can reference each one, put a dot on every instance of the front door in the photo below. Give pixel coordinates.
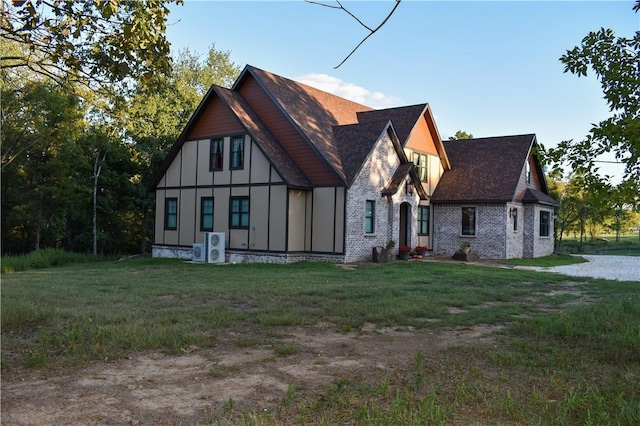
(405, 224)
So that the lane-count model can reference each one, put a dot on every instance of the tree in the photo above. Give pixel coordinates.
(460, 135)
(99, 41)
(614, 61)
(154, 117)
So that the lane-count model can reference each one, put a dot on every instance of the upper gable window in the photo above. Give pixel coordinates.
(216, 152)
(237, 153)
(527, 171)
(421, 164)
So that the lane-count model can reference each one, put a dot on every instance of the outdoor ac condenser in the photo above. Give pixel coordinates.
(199, 253)
(214, 247)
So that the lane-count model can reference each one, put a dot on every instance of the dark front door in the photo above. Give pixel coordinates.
(405, 214)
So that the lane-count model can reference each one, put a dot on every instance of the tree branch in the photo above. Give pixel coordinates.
(371, 31)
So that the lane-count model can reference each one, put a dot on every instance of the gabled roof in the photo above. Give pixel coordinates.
(404, 121)
(281, 161)
(355, 142)
(313, 113)
(336, 132)
(486, 170)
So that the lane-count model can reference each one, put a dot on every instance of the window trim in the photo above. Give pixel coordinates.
(236, 154)
(370, 217)
(475, 221)
(421, 220)
(547, 224)
(212, 154)
(203, 214)
(240, 213)
(167, 214)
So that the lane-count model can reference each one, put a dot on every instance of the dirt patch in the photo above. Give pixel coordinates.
(155, 388)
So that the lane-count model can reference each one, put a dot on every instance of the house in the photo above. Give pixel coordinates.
(288, 172)
(496, 198)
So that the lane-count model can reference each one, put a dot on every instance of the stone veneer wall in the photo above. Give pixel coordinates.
(515, 239)
(368, 185)
(538, 246)
(490, 239)
(249, 256)
(495, 238)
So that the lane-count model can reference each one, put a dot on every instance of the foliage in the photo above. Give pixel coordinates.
(461, 135)
(66, 153)
(101, 41)
(614, 61)
(41, 259)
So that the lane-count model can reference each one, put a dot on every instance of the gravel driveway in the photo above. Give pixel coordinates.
(622, 268)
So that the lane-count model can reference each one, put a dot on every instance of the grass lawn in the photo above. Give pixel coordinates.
(557, 362)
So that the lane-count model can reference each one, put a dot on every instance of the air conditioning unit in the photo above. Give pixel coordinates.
(214, 247)
(199, 253)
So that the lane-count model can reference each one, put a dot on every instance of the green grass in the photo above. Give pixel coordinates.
(578, 364)
(44, 258)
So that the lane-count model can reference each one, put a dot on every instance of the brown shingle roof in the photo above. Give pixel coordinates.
(313, 112)
(483, 169)
(535, 196)
(355, 142)
(404, 118)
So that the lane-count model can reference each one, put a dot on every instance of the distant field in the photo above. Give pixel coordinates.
(628, 245)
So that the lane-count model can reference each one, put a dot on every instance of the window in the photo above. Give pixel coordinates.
(237, 152)
(171, 213)
(527, 168)
(514, 213)
(206, 214)
(423, 220)
(420, 162)
(468, 221)
(239, 217)
(215, 162)
(370, 217)
(544, 223)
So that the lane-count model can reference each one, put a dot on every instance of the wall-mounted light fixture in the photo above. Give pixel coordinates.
(408, 187)
(513, 212)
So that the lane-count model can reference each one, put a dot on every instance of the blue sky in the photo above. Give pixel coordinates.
(488, 68)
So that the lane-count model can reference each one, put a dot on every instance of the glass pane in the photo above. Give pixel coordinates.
(468, 221)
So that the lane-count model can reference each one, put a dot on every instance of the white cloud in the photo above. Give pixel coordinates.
(349, 91)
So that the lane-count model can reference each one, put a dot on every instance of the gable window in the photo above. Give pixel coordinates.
(545, 217)
(423, 220)
(171, 214)
(420, 162)
(206, 214)
(237, 153)
(370, 217)
(216, 150)
(468, 221)
(239, 215)
(527, 171)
